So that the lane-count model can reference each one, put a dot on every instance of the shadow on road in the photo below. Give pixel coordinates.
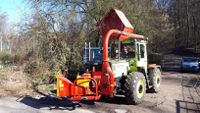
(187, 106)
(191, 96)
(116, 100)
(52, 103)
(193, 82)
(48, 102)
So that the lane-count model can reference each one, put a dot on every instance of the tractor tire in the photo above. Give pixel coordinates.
(155, 75)
(135, 88)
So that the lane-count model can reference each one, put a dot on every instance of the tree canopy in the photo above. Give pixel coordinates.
(57, 30)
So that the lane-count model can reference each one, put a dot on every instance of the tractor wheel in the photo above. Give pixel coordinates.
(155, 80)
(135, 88)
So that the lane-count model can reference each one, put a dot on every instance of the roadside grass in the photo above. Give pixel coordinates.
(13, 82)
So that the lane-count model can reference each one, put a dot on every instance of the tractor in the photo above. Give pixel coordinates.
(119, 67)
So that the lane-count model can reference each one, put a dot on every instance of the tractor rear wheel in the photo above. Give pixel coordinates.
(155, 75)
(135, 88)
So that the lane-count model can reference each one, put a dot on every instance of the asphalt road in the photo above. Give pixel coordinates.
(180, 93)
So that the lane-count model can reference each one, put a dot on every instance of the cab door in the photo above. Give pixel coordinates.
(141, 55)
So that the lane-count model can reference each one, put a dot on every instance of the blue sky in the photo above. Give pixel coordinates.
(15, 10)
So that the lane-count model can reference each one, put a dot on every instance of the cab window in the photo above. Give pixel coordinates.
(142, 50)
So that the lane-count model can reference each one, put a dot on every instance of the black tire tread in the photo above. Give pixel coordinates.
(153, 72)
(130, 92)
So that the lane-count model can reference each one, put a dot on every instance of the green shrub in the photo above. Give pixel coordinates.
(6, 58)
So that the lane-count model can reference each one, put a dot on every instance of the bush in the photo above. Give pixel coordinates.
(30, 67)
(17, 57)
(6, 58)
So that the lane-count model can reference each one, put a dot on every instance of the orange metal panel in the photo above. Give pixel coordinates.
(74, 91)
(115, 19)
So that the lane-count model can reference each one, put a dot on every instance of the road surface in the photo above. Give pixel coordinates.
(180, 93)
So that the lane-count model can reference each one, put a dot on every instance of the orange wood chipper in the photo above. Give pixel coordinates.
(125, 73)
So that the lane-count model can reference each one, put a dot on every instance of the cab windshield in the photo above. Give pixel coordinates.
(123, 50)
(190, 60)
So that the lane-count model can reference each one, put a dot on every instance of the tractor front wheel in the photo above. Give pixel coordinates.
(135, 88)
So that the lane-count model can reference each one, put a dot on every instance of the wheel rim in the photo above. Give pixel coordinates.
(158, 79)
(140, 88)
